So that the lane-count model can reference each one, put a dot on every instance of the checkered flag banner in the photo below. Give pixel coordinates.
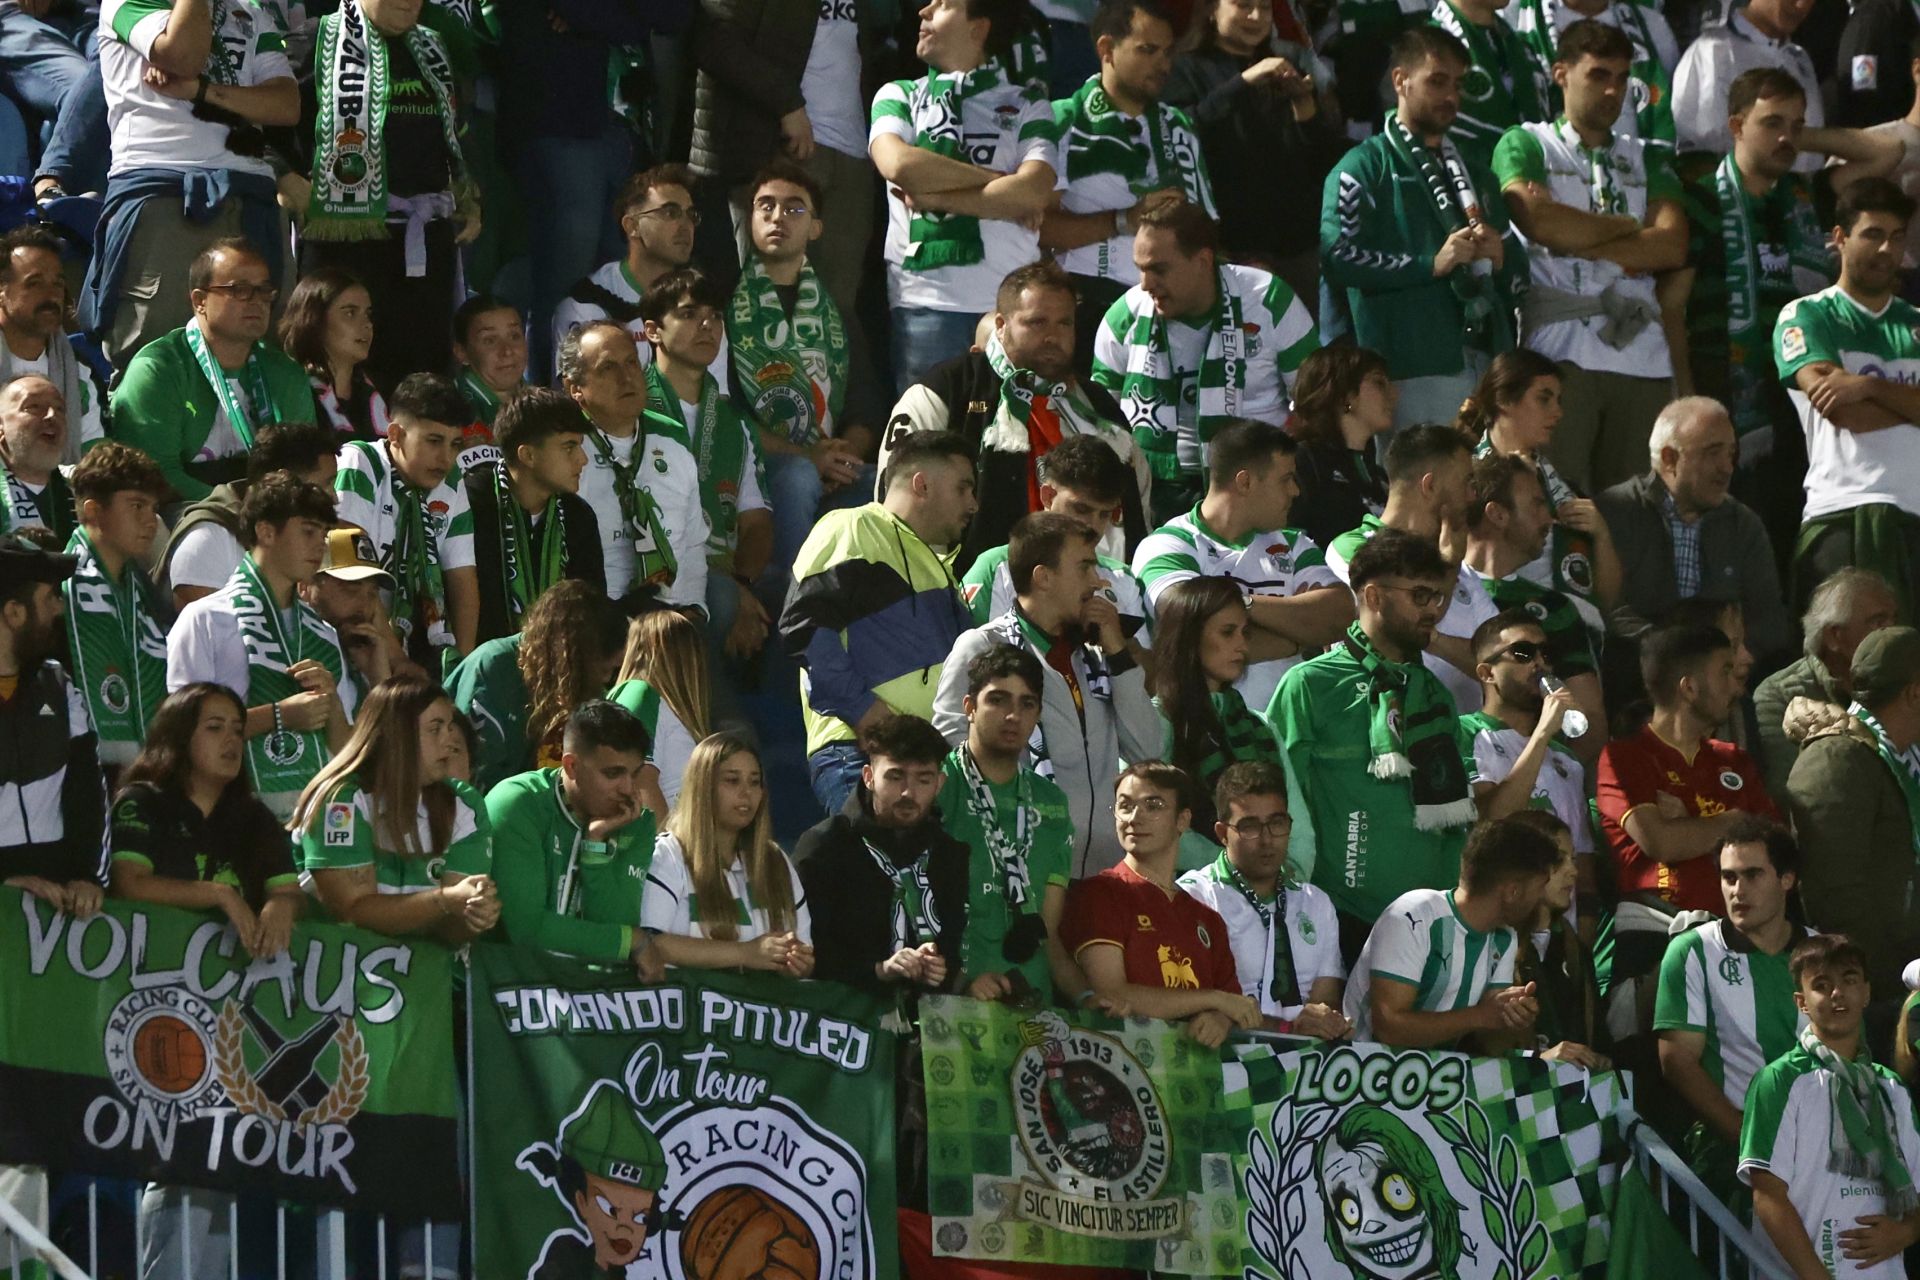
(1093, 1142)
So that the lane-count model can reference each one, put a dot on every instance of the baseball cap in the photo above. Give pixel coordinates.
(350, 557)
(1886, 662)
(24, 560)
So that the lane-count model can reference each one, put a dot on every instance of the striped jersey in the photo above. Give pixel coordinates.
(672, 741)
(1282, 562)
(1714, 981)
(363, 495)
(670, 905)
(343, 836)
(1421, 941)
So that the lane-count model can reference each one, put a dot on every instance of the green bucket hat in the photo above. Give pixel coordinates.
(609, 1141)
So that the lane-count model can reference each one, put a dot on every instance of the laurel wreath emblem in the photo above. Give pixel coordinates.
(1278, 1175)
(343, 1100)
(1508, 1206)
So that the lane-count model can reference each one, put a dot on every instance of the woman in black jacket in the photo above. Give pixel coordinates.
(1261, 108)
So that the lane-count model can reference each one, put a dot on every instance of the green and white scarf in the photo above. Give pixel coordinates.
(915, 921)
(351, 77)
(1503, 91)
(654, 564)
(222, 66)
(413, 557)
(1100, 138)
(1019, 388)
(1450, 188)
(1150, 387)
(51, 509)
(282, 759)
(936, 106)
(794, 368)
(1283, 983)
(1410, 733)
(484, 399)
(253, 377)
(524, 580)
(720, 449)
(1903, 769)
(1863, 1139)
(1006, 850)
(1749, 326)
(1654, 116)
(117, 644)
(1237, 734)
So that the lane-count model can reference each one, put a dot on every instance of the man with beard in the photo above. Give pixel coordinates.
(1094, 709)
(33, 429)
(53, 802)
(194, 399)
(33, 296)
(1196, 344)
(1415, 238)
(403, 492)
(1863, 472)
(1123, 151)
(349, 592)
(1507, 525)
(1371, 735)
(1019, 829)
(1513, 741)
(658, 218)
(1016, 400)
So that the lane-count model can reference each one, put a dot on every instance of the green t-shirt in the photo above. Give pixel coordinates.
(1715, 982)
(342, 836)
(1369, 851)
(488, 687)
(1050, 846)
(558, 892)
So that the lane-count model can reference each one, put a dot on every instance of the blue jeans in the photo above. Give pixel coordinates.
(43, 71)
(922, 338)
(797, 497)
(835, 770)
(572, 184)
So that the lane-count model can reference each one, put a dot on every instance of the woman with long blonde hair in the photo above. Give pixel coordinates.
(663, 680)
(390, 842)
(720, 893)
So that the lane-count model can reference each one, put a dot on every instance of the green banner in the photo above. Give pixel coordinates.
(1093, 1142)
(1084, 1141)
(143, 1043)
(715, 1128)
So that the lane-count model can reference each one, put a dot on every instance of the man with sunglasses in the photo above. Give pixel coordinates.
(194, 399)
(1285, 937)
(1513, 741)
(658, 219)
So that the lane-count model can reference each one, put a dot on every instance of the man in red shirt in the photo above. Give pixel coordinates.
(1669, 793)
(1140, 939)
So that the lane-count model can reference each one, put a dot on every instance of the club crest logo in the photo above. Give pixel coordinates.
(160, 1052)
(1087, 1113)
(114, 694)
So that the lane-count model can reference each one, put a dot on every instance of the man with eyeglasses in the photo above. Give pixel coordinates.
(791, 363)
(1507, 525)
(194, 399)
(1285, 936)
(658, 219)
(1513, 742)
(1372, 737)
(1141, 941)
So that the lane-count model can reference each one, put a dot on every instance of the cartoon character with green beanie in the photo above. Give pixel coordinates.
(607, 1168)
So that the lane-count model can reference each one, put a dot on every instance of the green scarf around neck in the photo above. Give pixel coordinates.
(523, 575)
(1100, 138)
(936, 106)
(1410, 735)
(1457, 204)
(116, 638)
(794, 369)
(1864, 1138)
(282, 759)
(719, 446)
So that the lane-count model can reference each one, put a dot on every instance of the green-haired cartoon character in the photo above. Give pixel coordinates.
(1389, 1214)
(607, 1168)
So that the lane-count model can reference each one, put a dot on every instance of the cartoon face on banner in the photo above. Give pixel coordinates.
(1389, 1162)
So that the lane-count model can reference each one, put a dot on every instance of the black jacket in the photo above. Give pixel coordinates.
(53, 797)
(1267, 168)
(851, 900)
(965, 394)
(582, 559)
(751, 55)
(1336, 491)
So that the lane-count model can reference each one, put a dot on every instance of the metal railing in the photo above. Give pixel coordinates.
(1718, 1237)
(24, 1243)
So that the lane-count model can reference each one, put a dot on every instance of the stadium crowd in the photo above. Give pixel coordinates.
(1331, 517)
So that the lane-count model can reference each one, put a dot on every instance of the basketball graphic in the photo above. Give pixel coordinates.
(743, 1233)
(170, 1053)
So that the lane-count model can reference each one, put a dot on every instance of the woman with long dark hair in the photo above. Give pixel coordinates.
(1514, 410)
(1343, 402)
(188, 831)
(328, 328)
(391, 842)
(720, 893)
(1200, 650)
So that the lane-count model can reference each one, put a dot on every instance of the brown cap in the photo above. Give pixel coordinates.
(1886, 662)
(351, 558)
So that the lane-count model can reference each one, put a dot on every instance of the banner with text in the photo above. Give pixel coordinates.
(143, 1043)
(1094, 1142)
(716, 1128)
